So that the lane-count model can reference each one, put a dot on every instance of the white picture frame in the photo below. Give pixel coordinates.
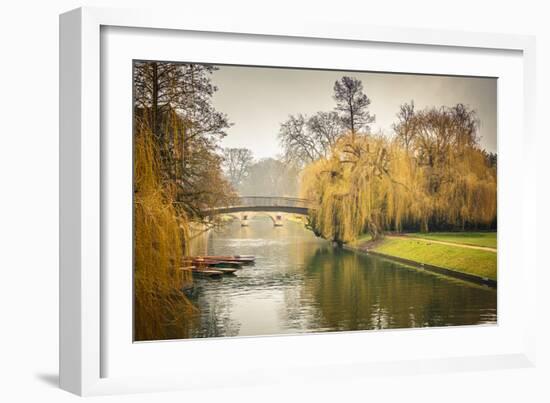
(96, 355)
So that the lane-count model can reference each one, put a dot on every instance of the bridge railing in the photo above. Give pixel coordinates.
(264, 201)
(269, 201)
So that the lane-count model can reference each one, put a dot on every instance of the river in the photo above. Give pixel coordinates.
(303, 284)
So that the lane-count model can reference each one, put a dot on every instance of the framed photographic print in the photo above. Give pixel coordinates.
(341, 189)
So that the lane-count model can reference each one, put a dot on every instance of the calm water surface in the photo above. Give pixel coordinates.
(301, 284)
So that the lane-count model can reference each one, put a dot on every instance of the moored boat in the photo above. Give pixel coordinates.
(208, 272)
(226, 270)
(216, 263)
(237, 258)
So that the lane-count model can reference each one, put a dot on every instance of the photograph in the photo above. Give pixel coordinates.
(281, 201)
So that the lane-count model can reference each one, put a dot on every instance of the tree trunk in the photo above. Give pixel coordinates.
(155, 103)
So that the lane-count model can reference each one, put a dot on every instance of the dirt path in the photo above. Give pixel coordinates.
(460, 245)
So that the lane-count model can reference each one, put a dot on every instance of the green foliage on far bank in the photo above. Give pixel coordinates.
(467, 260)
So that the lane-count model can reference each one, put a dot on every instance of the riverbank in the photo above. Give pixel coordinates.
(468, 255)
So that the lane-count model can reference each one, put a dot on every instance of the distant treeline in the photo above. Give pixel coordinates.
(430, 175)
(263, 177)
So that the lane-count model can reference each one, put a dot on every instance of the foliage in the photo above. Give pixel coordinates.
(177, 178)
(160, 235)
(431, 175)
(355, 192)
(352, 104)
(175, 101)
(306, 139)
(186, 88)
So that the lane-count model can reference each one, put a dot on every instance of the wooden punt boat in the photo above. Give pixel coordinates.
(208, 272)
(224, 263)
(216, 263)
(238, 258)
(226, 270)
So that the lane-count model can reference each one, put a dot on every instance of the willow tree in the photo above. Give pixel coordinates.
(459, 181)
(362, 187)
(431, 175)
(160, 242)
(177, 177)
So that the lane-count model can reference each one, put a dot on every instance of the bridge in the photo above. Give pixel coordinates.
(263, 204)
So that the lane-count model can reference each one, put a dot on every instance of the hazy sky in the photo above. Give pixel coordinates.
(257, 100)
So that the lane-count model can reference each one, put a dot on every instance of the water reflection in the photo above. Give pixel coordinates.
(364, 292)
(302, 284)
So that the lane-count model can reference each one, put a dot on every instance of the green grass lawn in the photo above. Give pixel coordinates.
(487, 239)
(473, 261)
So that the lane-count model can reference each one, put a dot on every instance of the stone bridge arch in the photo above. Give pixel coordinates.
(274, 207)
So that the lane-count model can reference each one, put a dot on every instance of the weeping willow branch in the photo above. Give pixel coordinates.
(384, 186)
(160, 241)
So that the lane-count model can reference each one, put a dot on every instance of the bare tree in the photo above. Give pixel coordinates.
(406, 125)
(174, 102)
(236, 164)
(184, 88)
(352, 104)
(305, 140)
(325, 128)
(298, 144)
(466, 125)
